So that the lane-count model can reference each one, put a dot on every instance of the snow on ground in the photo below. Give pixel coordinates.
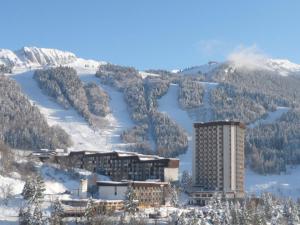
(82, 135)
(206, 68)
(204, 112)
(122, 120)
(9, 213)
(33, 57)
(284, 185)
(57, 181)
(146, 74)
(169, 104)
(271, 117)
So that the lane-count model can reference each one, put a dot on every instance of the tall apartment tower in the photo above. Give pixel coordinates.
(218, 160)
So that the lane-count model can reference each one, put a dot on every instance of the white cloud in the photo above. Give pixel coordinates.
(248, 57)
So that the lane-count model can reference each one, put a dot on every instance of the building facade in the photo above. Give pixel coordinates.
(148, 193)
(124, 165)
(218, 160)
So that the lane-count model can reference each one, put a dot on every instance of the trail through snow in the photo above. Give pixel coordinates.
(271, 117)
(169, 105)
(82, 135)
(283, 185)
(108, 138)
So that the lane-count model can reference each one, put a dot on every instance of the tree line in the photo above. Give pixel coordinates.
(65, 86)
(22, 124)
(141, 97)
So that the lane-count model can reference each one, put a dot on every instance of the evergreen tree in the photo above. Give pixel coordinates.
(28, 189)
(259, 217)
(186, 180)
(37, 216)
(40, 188)
(32, 214)
(57, 213)
(226, 215)
(25, 217)
(290, 212)
(194, 218)
(34, 188)
(90, 211)
(131, 201)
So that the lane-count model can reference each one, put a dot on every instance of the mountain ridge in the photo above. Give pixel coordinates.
(32, 57)
(220, 91)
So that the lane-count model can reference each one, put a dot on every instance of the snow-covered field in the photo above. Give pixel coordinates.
(284, 185)
(8, 213)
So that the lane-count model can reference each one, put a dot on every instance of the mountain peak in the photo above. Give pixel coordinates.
(252, 59)
(45, 56)
(34, 57)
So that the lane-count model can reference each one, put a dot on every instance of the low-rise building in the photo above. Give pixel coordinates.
(124, 165)
(77, 207)
(148, 193)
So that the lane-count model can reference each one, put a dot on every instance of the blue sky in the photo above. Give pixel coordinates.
(153, 34)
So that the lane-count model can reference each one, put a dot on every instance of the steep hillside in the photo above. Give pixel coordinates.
(140, 94)
(65, 86)
(22, 125)
(33, 57)
(250, 94)
(250, 89)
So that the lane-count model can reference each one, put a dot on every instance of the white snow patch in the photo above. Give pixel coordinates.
(271, 117)
(169, 104)
(33, 57)
(284, 185)
(146, 74)
(206, 68)
(9, 213)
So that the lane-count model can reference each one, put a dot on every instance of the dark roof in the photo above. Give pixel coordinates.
(172, 162)
(112, 183)
(133, 183)
(222, 122)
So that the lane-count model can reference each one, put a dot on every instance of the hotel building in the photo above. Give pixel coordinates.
(218, 160)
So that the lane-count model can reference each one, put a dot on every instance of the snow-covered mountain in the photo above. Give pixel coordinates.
(33, 57)
(27, 59)
(205, 68)
(281, 67)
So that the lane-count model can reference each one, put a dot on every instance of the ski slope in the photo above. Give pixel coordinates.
(108, 137)
(285, 185)
(168, 104)
(271, 117)
(82, 135)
